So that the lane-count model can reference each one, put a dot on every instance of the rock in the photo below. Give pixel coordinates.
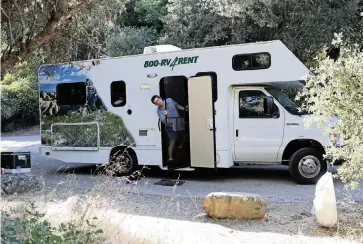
(12, 183)
(283, 222)
(234, 205)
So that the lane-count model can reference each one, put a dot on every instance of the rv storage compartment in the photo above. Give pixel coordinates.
(11, 160)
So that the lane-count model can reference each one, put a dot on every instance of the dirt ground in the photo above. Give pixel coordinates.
(288, 205)
(286, 219)
(30, 131)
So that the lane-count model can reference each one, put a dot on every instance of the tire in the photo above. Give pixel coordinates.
(307, 165)
(122, 163)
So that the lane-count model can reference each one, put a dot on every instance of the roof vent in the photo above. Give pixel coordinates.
(160, 49)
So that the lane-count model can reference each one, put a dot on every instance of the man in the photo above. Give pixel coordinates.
(169, 115)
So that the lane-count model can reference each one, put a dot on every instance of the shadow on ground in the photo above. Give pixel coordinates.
(248, 172)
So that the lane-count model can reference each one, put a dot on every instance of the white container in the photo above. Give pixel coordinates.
(15, 171)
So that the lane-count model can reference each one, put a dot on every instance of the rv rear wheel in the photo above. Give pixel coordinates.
(122, 163)
(306, 166)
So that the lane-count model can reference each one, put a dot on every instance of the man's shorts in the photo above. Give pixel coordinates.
(172, 135)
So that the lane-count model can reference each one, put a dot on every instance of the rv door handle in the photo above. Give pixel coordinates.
(236, 133)
(159, 124)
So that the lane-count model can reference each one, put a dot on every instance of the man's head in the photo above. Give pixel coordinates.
(157, 100)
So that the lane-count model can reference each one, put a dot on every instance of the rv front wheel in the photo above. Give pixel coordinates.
(307, 166)
(122, 163)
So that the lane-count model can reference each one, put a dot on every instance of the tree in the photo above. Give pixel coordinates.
(129, 41)
(336, 91)
(304, 26)
(354, 32)
(143, 13)
(192, 23)
(29, 25)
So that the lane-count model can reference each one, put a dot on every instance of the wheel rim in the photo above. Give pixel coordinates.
(123, 162)
(309, 166)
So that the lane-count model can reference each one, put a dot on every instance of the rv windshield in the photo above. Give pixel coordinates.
(284, 100)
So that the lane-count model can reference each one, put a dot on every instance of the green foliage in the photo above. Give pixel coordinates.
(292, 94)
(34, 228)
(304, 26)
(64, 29)
(193, 23)
(336, 91)
(143, 13)
(136, 27)
(19, 97)
(129, 41)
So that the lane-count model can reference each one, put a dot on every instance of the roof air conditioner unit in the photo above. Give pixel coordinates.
(160, 49)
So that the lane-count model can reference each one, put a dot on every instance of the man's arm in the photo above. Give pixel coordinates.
(162, 117)
(177, 105)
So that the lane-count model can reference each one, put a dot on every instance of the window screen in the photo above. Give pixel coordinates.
(118, 93)
(71, 93)
(251, 61)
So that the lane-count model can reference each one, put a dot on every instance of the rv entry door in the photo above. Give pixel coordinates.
(201, 122)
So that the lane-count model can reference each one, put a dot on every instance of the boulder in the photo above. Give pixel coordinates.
(234, 205)
(12, 183)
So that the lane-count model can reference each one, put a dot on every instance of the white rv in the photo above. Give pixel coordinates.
(96, 110)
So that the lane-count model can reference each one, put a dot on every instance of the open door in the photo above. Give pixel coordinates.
(201, 122)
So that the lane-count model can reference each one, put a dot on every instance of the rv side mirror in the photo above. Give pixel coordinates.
(268, 105)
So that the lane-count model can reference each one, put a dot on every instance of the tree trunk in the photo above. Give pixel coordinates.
(53, 26)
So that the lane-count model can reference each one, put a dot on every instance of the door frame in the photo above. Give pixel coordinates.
(162, 128)
(235, 106)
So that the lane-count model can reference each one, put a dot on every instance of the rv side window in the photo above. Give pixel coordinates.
(118, 93)
(71, 93)
(251, 61)
(251, 104)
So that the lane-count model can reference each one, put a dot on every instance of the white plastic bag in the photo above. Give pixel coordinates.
(325, 207)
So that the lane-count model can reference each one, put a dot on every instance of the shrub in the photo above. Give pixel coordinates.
(19, 98)
(33, 228)
(336, 90)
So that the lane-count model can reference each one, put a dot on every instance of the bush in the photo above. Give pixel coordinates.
(19, 98)
(336, 91)
(33, 228)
